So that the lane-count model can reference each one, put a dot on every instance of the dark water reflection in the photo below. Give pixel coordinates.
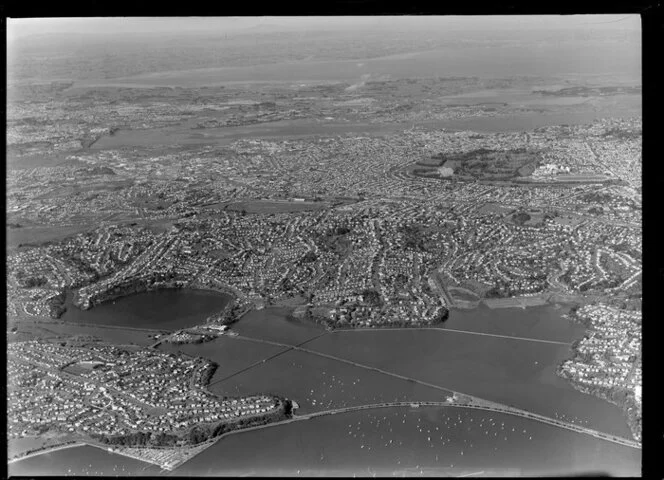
(162, 309)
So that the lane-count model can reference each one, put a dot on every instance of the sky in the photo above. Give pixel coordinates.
(17, 28)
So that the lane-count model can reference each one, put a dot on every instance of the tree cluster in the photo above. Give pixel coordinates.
(309, 257)
(31, 281)
(198, 433)
(371, 297)
(208, 373)
(56, 305)
(413, 237)
(520, 218)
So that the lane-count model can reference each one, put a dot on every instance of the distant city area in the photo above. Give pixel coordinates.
(379, 204)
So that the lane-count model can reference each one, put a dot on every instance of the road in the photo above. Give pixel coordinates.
(511, 337)
(42, 451)
(488, 406)
(80, 380)
(435, 277)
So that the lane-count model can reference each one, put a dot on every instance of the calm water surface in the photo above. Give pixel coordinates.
(424, 441)
(317, 383)
(82, 461)
(272, 324)
(162, 309)
(514, 372)
(427, 441)
(305, 128)
(545, 322)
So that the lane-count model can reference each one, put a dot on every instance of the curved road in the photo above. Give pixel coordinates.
(42, 451)
(479, 406)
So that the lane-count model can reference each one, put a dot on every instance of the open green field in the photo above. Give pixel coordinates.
(463, 294)
(492, 164)
(533, 301)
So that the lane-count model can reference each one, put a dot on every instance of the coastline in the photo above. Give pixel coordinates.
(161, 457)
(165, 457)
(170, 458)
(49, 449)
(626, 403)
(106, 296)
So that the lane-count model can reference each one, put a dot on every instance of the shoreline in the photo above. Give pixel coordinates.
(605, 394)
(234, 296)
(193, 451)
(170, 459)
(87, 304)
(49, 449)
(167, 457)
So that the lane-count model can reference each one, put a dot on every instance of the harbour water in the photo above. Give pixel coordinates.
(161, 309)
(545, 322)
(82, 461)
(293, 129)
(319, 384)
(480, 361)
(424, 441)
(518, 373)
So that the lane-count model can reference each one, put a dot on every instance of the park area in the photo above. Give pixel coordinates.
(480, 164)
